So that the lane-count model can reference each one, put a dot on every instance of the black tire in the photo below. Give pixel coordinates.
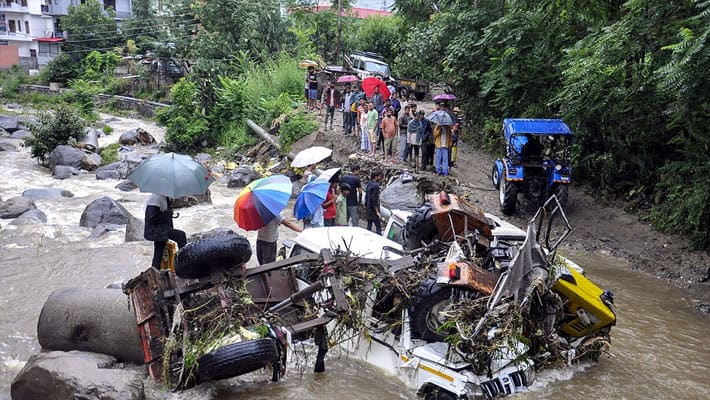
(419, 96)
(237, 359)
(437, 393)
(420, 228)
(507, 196)
(431, 299)
(562, 193)
(403, 92)
(219, 252)
(495, 177)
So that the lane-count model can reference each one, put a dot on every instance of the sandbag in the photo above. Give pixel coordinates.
(95, 320)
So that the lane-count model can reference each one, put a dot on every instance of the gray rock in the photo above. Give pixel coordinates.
(102, 229)
(402, 196)
(9, 123)
(29, 217)
(203, 157)
(126, 186)
(136, 136)
(242, 176)
(49, 193)
(104, 211)
(188, 201)
(15, 206)
(115, 170)
(21, 134)
(134, 229)
(8, 146)
(91, 161)
(65, 155)
(76, 375)
(64, 172)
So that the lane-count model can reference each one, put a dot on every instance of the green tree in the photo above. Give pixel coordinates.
(90, 27)
(380, 34)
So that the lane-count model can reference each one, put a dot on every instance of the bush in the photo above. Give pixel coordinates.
(62, 126)
(109, 153)
(61, 69)
(10, 83)
(296, 126)
(82, 93)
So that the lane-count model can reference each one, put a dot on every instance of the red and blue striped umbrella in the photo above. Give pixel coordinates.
(261, 201)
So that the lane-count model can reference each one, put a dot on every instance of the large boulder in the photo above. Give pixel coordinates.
(126, 186)
(134, 230)
(21, 134)
(399, 195)
(65, 155)
(9, 123)
(47, 193)
(76, 375)
(115, 170)
(242, 176)
(64, 172)
(30, 217)
(91, 161)
(136, 136)
(104, 211)
(15, 206)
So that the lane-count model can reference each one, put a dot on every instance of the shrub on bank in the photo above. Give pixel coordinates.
(61, 126)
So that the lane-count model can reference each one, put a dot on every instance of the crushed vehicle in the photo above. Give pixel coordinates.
(364, 64)
(536, 162)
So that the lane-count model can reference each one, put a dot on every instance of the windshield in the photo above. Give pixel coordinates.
(372, 66)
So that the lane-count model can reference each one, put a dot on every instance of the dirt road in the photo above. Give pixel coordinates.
(597, 228)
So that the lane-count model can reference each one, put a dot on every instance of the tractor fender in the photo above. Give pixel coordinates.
(512, 172)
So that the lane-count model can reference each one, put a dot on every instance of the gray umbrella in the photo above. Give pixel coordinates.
(172, 175)
(440, 117)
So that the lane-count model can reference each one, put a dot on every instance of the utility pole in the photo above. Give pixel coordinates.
(337, 51)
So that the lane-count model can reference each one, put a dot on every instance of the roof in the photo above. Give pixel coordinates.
(49, 39)
(359, 241)
(519, 126)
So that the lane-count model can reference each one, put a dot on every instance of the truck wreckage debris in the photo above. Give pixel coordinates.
(448, 318)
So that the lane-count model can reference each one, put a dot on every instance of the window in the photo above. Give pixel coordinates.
(23, 3)
(11, 26)
(27, 27)
(33, 53)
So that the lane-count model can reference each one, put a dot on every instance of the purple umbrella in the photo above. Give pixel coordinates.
(445, 96)
(348, 79)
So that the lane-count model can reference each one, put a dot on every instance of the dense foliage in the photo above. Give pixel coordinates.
(53, 128)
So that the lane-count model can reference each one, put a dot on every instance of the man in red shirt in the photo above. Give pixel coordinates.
(329, 209)
(389, 132)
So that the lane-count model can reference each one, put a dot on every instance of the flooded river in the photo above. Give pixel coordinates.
(659, 345)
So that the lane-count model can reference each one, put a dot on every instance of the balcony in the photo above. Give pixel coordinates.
(11, 6)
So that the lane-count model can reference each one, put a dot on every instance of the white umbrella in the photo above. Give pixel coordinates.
(311, 155)
(329, 174)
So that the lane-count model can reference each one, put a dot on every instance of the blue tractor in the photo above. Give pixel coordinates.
(536, 162)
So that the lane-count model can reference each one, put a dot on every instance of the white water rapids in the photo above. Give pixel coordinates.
(659, 345)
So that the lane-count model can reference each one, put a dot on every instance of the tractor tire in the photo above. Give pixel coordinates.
(95, 320)
(419, 228)
(431, 299)
(508, 196)
(495, 177)
(214, 253)
(403, 92)
(419, 96)
(237, 359)
(562, 193)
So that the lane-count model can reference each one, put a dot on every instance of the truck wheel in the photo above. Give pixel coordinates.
(419, 96)
(431, 299)
(562, 193)
(508, 196)
(420, 228)
(237, 359)
(219, 252)
(403, 92)
(495, 176)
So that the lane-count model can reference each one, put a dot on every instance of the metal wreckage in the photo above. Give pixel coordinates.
(472, 312)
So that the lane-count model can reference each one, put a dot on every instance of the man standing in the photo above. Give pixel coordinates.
(377, 99)
(159, 227)
(341, 206)
(414, 137)
(354, 196)
(389, 132)
(331, 99)
(372, 202)
(346, 110)
(267, 238)
(442, 141)
(403, 122)
(372, 117)
(312, 79)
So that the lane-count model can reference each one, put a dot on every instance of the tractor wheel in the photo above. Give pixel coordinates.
(562, 193)
(219, 252)
(237, 359)
(419, 228)
(495, 176)
(508, 196)
(403, 92)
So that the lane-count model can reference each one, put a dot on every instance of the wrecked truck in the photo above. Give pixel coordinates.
(450, 325)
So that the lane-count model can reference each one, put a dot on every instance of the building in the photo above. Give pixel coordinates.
(360, 8)
(30, 30)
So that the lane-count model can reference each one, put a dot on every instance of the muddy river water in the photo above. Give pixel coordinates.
(659, 346)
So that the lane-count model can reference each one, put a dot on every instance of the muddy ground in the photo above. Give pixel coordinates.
(598, 227)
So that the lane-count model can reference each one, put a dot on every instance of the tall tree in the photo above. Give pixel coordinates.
(90, 27)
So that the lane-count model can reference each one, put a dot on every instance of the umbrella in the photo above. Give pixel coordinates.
(348, 79)
(311, 155)
(369, 84)
(312, 195)
(331, 175)
(307, 63)
(445, 96)
(172, 175)
(440, 117)
(261, 201)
